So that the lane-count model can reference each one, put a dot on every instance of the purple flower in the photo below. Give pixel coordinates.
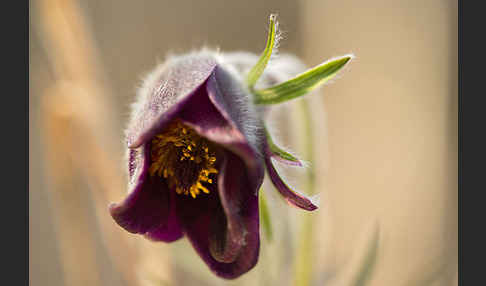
(197, 151)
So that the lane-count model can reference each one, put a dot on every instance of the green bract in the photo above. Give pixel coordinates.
(277, 151)
(295, 87)
(302, 83)
(259, 67)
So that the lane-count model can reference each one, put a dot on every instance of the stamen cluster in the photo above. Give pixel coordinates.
(184, 159)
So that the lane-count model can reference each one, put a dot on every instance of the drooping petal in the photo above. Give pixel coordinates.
(235, 190)
(223, 226)
(292, 197)
(205, 231)
(147, 207)
(235, 105)
(171, 230)
(199, 235)
(224, 247)
(165, 92)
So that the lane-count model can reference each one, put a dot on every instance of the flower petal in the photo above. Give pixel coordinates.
(225, 244)
(146, 208)
(205, 231)
(164, 92)
(223, 226)
(171, 230)
(236, 106)
(292, 197)
(234, 192)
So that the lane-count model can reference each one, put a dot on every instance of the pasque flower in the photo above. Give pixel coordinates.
(198, 149)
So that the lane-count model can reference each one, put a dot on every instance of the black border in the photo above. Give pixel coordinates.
(15, 138)
(472, 143)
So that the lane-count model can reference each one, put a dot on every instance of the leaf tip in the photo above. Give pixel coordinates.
(273, 17)
(343, 60)
(347, 58)
(257, 70)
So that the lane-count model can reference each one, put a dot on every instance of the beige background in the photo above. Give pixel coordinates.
(391, 117)
(392, 126)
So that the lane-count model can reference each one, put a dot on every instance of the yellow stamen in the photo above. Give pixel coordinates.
(169, 152)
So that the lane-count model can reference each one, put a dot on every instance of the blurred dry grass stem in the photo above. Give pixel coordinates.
(79, 139)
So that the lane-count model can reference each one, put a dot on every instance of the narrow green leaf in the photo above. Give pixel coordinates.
(302, 83)
(258, 68)
(279, 151)
(265, 215)
(369, 262)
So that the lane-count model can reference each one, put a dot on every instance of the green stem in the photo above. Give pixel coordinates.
(265, 216)
(304, 254)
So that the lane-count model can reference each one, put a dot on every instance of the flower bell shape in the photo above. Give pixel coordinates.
(197, 153)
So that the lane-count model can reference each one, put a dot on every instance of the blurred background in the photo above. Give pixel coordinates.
(385, 153)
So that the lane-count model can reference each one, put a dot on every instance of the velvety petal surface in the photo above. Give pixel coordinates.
(147, 207)
(235, 190)
(235, 105)
(226, 232)
(199, 236)
(165, 92)
(171, 230)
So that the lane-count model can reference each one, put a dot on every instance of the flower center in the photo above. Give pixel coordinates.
(184, 159)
